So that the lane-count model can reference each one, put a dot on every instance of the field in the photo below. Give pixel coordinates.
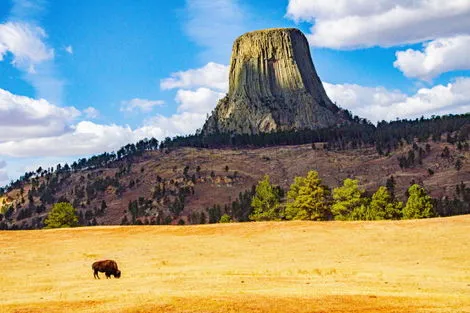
(389, 266)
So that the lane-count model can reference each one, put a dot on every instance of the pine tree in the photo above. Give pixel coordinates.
(419, 204)
(308, 198)
(266, 202)
(347, 198)
(61, 215)
(382, 206)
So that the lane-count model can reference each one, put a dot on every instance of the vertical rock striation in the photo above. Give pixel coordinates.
(273, 86)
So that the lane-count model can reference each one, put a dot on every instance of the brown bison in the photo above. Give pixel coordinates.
(109, 267)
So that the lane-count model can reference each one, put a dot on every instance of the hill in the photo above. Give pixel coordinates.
(195, 185)
(384, 266)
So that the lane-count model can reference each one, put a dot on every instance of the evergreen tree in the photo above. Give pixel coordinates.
(61, 215)
(382, 206)
(308, 198)
(266, 202)
(347, 198)
(419, 204)
(390, 185)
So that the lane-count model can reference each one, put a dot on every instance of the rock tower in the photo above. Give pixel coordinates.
(273, 86)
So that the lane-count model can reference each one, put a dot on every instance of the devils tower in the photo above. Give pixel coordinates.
(273, 86)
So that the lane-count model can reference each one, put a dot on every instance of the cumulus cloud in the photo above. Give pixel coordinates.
(91, 112)
(89, 138)
(439, 56)
(347, 24)
(202, 100)
(23, 117)
(85, 138)
(203, 87)
(53, 133)
(378, 103)
(25, 43)
(143, 105)
(212, 75)
(177, 124)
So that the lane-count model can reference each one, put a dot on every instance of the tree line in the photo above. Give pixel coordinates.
(309, 199)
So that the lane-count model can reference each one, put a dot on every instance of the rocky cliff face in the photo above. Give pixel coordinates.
(273, 86)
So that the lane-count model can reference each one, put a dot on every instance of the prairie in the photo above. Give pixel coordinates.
(385, 266)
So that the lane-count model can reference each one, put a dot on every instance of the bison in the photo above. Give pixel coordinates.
(109, 267)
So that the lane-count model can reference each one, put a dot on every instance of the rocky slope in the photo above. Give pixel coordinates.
(273, 85)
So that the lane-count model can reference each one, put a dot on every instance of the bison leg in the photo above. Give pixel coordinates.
(95, 274)
(108, 275)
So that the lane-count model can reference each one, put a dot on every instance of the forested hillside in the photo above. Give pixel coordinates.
(199, 179)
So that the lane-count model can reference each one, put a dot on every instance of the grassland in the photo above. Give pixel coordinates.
(390, 266)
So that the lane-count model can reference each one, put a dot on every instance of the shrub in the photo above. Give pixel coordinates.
(225, 219)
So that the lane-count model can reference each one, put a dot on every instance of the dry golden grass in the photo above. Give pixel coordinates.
(404, 266)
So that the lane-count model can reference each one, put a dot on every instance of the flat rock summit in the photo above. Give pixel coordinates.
(273, 86)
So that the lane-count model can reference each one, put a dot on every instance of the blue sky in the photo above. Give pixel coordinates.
(79, 77)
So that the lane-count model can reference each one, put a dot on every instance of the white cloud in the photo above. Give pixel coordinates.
(202, 100)
(211, 83)
(439, 56)
(91, 112)
(40, 129)
(86, 138)
(359, 23)
(69, 49)
(178, 124)
(212, 75)
(25, 43)
(378, 103)
(24, 40)
(23, 117)
(143, 105)
(90, 138)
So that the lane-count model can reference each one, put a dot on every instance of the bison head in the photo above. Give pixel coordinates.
(118, 274)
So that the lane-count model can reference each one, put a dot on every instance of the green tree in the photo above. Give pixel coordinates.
(419, 204)
(382, 206)
(347, 198)
(61, 215)
(308, 199)
(266, 202)
(225, 219)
